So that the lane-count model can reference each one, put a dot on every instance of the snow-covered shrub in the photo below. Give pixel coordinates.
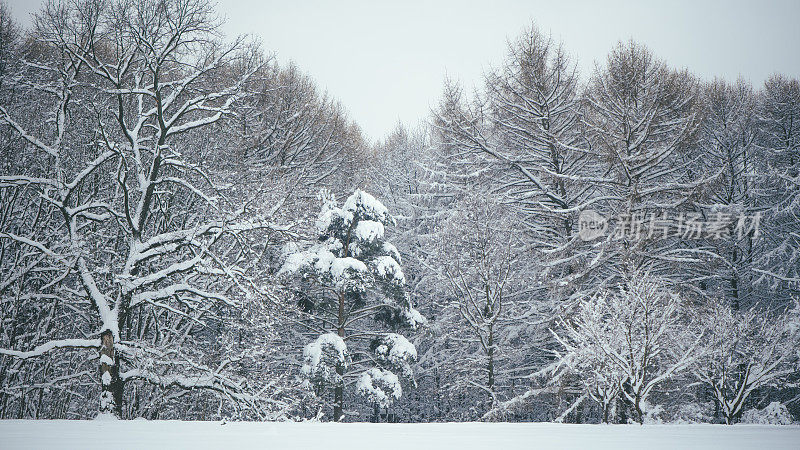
(652, 413)
(775, 413)
(693, 412)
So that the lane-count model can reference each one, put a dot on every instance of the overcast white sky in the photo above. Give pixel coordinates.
(386, 61)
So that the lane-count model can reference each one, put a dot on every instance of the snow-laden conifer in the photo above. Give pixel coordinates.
(350, 279)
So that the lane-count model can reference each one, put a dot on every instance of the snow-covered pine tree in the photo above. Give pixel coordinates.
(349, 280)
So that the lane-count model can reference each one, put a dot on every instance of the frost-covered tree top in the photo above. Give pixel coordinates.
(361, 209)
(352, 255)
(351, 279)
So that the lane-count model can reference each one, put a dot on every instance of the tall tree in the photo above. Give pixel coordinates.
(727, 137)
(353, 277)
(487, 317)
(144, 244)
(779, 119)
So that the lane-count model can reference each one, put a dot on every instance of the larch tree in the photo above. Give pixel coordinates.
(727, 139)
(486, 317)
(520, 139)
(778, 266)
(641, 118)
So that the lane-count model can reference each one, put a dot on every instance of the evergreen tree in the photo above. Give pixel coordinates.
(349, 280)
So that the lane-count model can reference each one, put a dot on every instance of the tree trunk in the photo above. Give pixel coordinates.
(638, 407)
(338, 401)
(338, 410)
(111, 385)
(491, 367)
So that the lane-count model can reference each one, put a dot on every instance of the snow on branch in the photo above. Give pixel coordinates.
(47, 347)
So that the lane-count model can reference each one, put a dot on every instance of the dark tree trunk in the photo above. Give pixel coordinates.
(338, 401)
(625, 405)
(111, 384)
(490, 367)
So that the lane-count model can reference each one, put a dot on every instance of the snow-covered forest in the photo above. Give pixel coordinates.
(192, 229)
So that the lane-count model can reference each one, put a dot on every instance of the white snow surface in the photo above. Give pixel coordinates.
(340, 265)
(369, 207)
(326, 217)
(392, 251)
(386, 267)
(369, 230)
(312, 353)
(400, 348)
(143, 434)
(322, 260)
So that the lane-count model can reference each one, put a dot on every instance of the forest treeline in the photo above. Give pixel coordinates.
(190, 229)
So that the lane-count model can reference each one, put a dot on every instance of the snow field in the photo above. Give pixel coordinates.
(142, 434)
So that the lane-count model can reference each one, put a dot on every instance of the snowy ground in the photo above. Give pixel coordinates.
(27, 434)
